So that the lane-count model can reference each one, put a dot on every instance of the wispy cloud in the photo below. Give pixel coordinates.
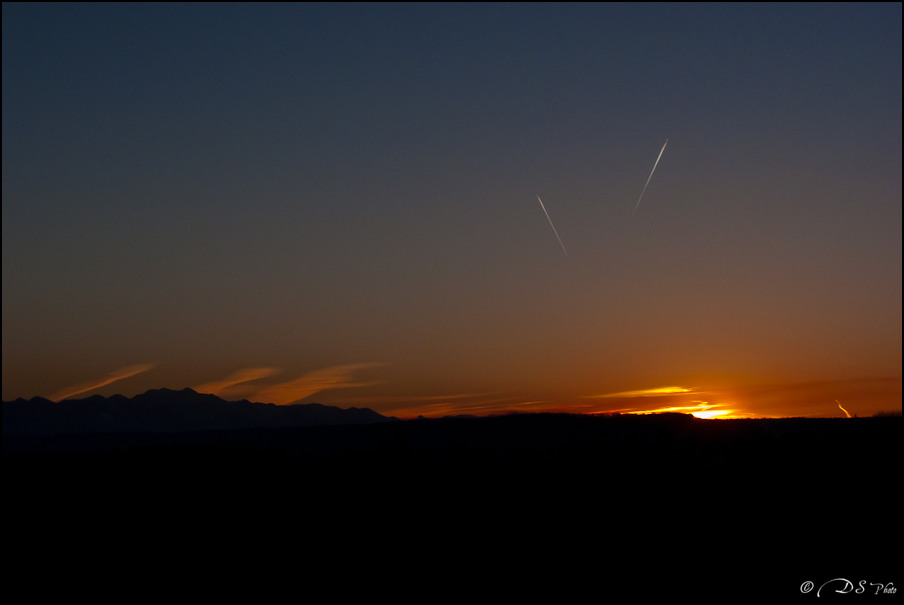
(97, 383)
(463, 403)
(674, 399)
(700, 409)
(227, 384)
(333, 377)
(407, 399)
(657, 392)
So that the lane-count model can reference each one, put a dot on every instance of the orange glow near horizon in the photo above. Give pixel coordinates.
(723, 402)
(706, 414)
(700, 409)
(697, 408)
(704, 400)
(814, 399)
(678, 400)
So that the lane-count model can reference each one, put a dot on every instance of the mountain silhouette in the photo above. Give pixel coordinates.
(165, 410)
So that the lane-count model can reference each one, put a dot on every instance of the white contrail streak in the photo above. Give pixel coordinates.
(656, 163)
(553, 226)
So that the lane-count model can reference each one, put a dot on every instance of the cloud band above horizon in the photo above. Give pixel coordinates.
(113, 376)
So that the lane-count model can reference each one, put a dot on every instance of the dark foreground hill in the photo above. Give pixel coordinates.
(556, 508)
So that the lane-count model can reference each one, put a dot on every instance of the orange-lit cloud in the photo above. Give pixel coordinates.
(676, 400)
(699, 409)
(435, 406)
(657, 392)
(113, 376)
(225, 386)
(333, 377)
(410, 406)
(477, 404)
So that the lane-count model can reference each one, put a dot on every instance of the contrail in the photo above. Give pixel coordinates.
(656, 163)
(842, 409)
(551, 225)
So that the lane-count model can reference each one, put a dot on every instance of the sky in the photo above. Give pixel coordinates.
(432, 209)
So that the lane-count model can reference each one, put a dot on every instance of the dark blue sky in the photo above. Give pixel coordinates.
(345, 195)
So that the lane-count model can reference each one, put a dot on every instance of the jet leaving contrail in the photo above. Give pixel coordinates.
(656, 163)
(551, 225)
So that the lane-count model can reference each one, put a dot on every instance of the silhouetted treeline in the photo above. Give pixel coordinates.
(629, 506)
(661, 444)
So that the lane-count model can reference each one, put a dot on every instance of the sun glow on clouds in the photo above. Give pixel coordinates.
(673, 399)
(700, 409)
(697, 408)
(712, 413)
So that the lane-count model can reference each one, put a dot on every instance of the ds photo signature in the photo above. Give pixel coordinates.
(845, 586)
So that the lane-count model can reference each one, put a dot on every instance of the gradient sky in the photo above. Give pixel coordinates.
(338, 203)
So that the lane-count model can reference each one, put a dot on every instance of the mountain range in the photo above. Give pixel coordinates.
(166, 410)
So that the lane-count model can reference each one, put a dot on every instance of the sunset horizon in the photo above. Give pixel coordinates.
(453, 209)
(862, 397)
